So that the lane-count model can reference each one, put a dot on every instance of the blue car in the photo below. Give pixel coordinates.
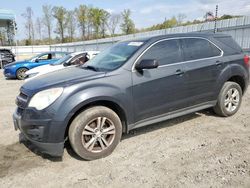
(18, 69)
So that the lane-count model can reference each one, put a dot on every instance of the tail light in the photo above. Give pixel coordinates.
(246, 60)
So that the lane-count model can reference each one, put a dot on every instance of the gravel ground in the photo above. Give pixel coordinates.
(196, 150)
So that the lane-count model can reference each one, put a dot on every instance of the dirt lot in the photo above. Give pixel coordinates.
(197, 150)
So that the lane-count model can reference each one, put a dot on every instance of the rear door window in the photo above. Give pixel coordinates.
(45, 57)
(196, 48)
(165, 52)
(80, 59)
(58, 55)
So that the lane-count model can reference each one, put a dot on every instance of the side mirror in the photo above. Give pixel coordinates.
(36, 60)
(147, 64)
(66, 64)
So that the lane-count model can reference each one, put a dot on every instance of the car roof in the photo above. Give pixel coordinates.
(76, 53)
(177, 35)
(5, 49)
(82, 52)
(51, 52)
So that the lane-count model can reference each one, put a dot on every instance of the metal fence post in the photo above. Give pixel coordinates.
(1, 61)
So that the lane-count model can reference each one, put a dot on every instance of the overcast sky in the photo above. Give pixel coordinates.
(144, 12)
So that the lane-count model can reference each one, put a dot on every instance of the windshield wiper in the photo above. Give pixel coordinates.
(91, 68)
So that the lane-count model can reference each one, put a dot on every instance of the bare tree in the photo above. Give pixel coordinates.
(82, 17)
(39, 28)
(89, 22)
(71, 24)
(104, 20)
(113, 23)
(60, 14)
(180, 18)
(127, 25)
(29, 24)
(48, 20)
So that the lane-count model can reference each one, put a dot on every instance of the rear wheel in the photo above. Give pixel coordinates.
(95, 132)
(229, 99)
(20, 73)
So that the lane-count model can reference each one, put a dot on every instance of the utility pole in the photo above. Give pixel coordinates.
(215, 19)
(1, 61)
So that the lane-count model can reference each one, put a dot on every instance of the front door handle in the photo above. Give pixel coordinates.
(179, 72)
(218, 63)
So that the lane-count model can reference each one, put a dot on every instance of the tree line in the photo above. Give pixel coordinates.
(57, 24)
(90, 22)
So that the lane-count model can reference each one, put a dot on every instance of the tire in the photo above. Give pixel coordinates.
(20, 73)
(224, 100)
(90, 142)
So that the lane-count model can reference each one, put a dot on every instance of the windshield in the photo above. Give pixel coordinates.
(34, 57)
(62, 60)
(113, 57)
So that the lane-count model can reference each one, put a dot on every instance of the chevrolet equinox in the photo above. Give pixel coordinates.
(132, 84)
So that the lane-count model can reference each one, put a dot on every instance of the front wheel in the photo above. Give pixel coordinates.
(229, 99)
(95, 132)
(20, 73)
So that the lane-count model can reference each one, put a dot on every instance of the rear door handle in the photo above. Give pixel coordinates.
(179, 72)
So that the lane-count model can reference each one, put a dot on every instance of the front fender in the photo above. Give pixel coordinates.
(70, 104)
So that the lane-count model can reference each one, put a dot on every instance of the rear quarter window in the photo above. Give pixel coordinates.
(196, 48)
(229, 45)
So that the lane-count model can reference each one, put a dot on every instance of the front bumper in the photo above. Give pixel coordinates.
(8, 73)
(36, 132)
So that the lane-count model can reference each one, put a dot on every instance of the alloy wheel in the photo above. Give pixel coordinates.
(232, 100)
(98, 134)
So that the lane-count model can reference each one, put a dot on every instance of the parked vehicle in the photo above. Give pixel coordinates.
(73, 59)
(132, 84)
(18, 69)
(6, 57)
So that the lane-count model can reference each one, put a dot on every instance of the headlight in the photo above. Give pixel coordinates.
(31, 75)
(45, 98)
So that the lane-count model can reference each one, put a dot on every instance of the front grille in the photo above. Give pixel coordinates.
(22, 95)
(19, 111)
(22, 100)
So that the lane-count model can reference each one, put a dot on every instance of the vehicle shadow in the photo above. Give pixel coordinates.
(71, 152)
(132, 133)
(12, 79)
(150, 128)
(160, 125)
(33, 149)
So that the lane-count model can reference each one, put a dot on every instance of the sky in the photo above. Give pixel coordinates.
(144, 12)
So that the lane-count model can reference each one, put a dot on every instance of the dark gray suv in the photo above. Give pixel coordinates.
(130, 85)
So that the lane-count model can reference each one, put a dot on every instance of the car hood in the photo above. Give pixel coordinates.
(44, 69)
(17, 63)
(61, 78)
